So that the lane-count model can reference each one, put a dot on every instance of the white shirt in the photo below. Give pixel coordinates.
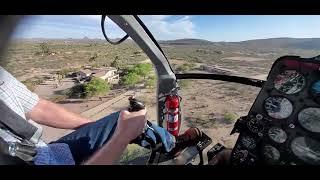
(17, 97)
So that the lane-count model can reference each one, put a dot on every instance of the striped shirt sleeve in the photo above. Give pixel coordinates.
(27, 98)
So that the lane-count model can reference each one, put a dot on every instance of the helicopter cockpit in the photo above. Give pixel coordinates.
(282, 127)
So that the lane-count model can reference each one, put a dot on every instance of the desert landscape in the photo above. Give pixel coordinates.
(44, 66)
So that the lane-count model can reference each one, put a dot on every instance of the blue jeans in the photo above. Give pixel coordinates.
(87, 139)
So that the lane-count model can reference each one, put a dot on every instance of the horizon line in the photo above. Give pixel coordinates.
(87, 38)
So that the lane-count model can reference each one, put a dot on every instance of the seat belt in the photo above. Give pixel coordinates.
(12, 150)
(27, 130)
(28, 133)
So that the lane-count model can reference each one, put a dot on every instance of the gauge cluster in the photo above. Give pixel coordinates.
(283, 125)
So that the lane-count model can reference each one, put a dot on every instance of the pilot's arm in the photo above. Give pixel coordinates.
(39, 110)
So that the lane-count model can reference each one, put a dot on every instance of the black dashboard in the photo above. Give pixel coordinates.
(283, 124)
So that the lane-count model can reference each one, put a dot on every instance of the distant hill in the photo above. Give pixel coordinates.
(272, 43)
(287, 43)
(186, 42)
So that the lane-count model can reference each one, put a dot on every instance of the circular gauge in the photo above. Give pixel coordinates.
(289, 82)
(316, 88)
(277, 135)
(240, 155)
(248, 142)
(309, 118)
(306, 149)
(278, 107)
(270, 154)
(255, 125)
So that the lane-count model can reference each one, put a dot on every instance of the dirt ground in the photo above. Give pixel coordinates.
(205, 104)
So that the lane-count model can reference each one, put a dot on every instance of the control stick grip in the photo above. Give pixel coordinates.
(136, 105)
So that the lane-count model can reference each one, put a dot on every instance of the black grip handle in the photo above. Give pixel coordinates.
(135, 106)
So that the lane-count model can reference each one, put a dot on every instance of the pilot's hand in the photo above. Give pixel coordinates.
(130, 124)
(222, 158)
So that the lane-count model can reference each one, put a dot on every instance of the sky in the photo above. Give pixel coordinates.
(230, 28)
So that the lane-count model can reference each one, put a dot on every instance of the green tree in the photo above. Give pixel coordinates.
(77, 91)
(229, 117)
(184, 83)
(44, 48)
(185, 67)
(116, 63)
(95, 87)
(93, 58)
(130, 79)
(143, 69)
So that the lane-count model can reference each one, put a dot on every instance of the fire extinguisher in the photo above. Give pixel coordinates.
(172, 114)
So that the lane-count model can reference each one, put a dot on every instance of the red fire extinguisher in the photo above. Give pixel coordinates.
(172, 114)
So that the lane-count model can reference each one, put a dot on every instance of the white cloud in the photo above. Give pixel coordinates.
(111, 28)
(163, 27)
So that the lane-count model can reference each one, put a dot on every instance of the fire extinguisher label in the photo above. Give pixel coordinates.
(173, 129)
(173, 118)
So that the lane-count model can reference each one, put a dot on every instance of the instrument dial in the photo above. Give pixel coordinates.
(306, 149)
(309, 118)
(289, 82)
(278, 107)
(271, 154)
(277, 135)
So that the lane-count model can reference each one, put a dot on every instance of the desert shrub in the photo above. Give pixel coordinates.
(134, 74)
(44, 48)
(65, 71)
(95, 87)
(184, 83)
(116, 63)
(93, 58)
(77, 91)
(143, 69)
(186, 67)
(229, 117)
(130, 79)
(31, 84)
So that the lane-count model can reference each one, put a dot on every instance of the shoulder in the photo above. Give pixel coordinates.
(6, 76)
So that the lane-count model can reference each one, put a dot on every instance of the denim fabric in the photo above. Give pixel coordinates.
(79, 145)
(89, 138)
(54, 154)
(167, 139)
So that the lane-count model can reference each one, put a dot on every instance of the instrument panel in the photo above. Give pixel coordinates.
(283, 124)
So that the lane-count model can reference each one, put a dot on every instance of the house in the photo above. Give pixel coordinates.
(108, 74)
(83, 74)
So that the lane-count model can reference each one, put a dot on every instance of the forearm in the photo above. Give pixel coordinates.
(53, 115)
(110, 153)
